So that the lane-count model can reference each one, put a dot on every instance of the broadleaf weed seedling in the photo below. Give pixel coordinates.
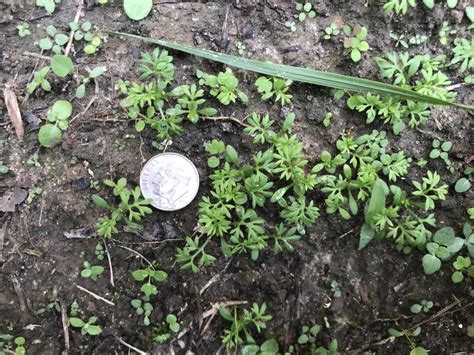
(420, 73)
(305, 10)
(331, 31)
(55, 40)
(463, 52)
(240, 332)
(240, 46)
(444, 32)
(33, 193)
(149, 274)
(49, 5)
(131, 209)
(92, 271)
(23, 29)
(99, 252)
(87, 328)
(224, 86)
(39, 80)
(162, 332)
(399, 6)
(52, 305)
(291, 25)
(424, 306)
(274, 87)
(441, 150)
(12, 345)
(93, 74)
(356, 42)
(143, 308)
(308, 338)
(239, 190)
(51, 133)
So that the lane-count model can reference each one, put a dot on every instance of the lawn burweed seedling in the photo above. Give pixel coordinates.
(55, 40)
(441, 150)
(291, 25)
(33, 193)
(463, 52)
(52, 305)
(232, 212)
(242, 324)
(143, 308)
(91, 271)
(49, 5)
(39, 80)
(399, 6)
(419, 73)
(33, 160)
(93, 74)
(417, 39)
(327, 119)
(23, 29)
(269, 346)
(308, 338)
(355, 43)
(240, 46)
(162, 332)
(12, 345)
(131, 209)
(87, 328)
(51, 133)
(462, 185)
(424, 306)
(335, 289)
(224, 86)
(3, 169)
(274, 87)
(331, 31)
(400, 40)
(305, 10)
(150, 275)
(444, 32)
(74, 309)
(99, 252)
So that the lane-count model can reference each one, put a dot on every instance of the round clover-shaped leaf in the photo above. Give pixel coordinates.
(462, 185)
(49, 135)
(61, 109)
(137, 9)
(431, 264)
(61, 65)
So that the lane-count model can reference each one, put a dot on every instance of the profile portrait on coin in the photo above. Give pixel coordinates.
(170, 184)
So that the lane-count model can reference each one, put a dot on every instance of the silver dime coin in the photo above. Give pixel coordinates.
(170, 180)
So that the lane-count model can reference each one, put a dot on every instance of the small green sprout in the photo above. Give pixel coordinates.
(51, 133)
(23, 29)
(224, 86)
(33, 193)
(143, 308)
(331, 31)
(291, 25)
(93, 74)
(256, 318)
(399, 40)
(335, 289)
(274, 87)
(441, 150)
(418, 39)
(463, 53)
(356, 42)
(327, 119)
(444, 32)
(462, 265)
(99, 251)
(91, 271)
(39, 80)
(424, 306)
(305, 10)
(88, 327)
(240, 46)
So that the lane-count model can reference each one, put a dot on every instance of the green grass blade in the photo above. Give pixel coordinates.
(305, 75)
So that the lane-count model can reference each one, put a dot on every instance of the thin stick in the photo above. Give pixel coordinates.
(110, 264)
(121, 341)
(76, 20)
(225, 118)
(36, 55)
(64, 320)
(96, 296)
(213, 311)
(19, 293)
(137, 253)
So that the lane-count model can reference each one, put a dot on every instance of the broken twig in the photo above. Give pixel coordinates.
(96, 296)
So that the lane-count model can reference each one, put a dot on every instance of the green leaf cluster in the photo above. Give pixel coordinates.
(223, 86)
(131, 209)
(242, 324)
(356, 42)
(88, 327)
(274, 87)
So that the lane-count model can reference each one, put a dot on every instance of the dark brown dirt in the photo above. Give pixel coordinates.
(379, 284)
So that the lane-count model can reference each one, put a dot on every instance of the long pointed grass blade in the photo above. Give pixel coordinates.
(305, 75)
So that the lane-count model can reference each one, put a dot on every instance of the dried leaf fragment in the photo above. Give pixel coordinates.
(14, 112)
